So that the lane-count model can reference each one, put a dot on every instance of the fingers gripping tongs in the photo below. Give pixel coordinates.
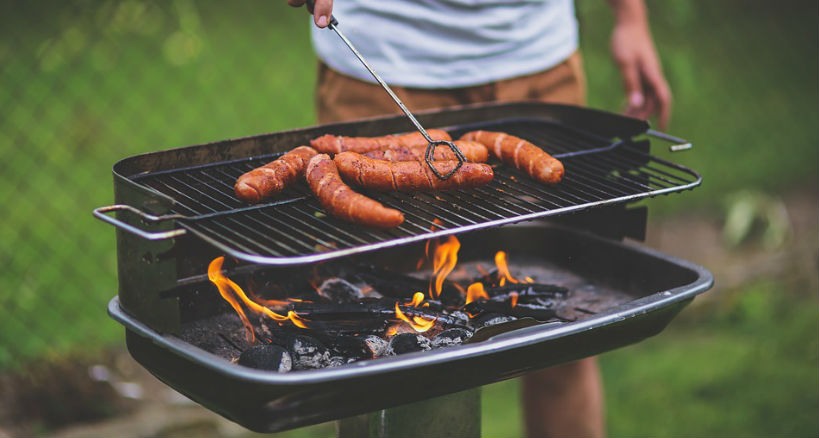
(431, 143)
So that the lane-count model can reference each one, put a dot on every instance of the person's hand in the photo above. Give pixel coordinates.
(322, 10)
(647, 91)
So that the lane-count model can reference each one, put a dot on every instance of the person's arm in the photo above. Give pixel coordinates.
(633, 50)
(322, 10)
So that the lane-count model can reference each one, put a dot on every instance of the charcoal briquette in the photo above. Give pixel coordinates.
(486, 319)
(453, 336)
(339, 290)
(308, 353)
(407, 343)
(376, 345)
(267, 357)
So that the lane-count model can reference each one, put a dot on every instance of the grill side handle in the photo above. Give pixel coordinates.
(102, 213)
(680, 144)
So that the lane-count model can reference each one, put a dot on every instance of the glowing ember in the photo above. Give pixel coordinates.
(476, 291)
(446, 256)
(513, 299)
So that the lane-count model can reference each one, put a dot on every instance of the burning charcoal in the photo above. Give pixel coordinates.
(339, 290)
(267, 357)
(407, 343)
(358, 347)
(308, 353)
(487, 318)
(453, 336)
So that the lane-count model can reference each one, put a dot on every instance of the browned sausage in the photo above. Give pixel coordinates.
(332, 144)
(270, 179)
(408, 176)
(472, 150)
(342, 202)
(520, 153)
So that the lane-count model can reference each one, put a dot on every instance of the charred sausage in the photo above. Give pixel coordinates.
(520, 153)
(342, 202)
(270, 179)
(332, 144)
(472, 150)
(407, 176)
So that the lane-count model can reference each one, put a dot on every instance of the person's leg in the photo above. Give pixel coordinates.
(564, 401)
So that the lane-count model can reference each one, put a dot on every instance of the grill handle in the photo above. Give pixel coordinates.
(680, 144)
(101, 213)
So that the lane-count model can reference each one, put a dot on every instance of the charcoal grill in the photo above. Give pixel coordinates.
(175, 211)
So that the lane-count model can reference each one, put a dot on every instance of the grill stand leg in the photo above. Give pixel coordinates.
(456, 414)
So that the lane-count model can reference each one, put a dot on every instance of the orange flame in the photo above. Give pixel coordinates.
(226, 286)
(513, 299)
(503, 269)
(435, 223)
(476, 291)
(418, 323)
(446, 256)
(417, 299)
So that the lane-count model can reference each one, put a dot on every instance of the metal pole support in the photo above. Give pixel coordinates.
(455, 415)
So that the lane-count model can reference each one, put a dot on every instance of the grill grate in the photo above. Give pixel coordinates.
(293, 229)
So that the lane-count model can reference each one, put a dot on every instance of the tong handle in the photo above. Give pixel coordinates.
(680, 144)
(101, 213)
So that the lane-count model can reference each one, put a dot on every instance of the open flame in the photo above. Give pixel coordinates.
(418, 323)
(443, 262)
(230, 291)
(476, 291)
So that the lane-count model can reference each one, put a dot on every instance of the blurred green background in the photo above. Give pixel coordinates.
(86, 83)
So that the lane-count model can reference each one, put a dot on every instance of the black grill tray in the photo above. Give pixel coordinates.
(658, 287)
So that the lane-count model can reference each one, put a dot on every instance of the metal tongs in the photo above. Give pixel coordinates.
(431, 144)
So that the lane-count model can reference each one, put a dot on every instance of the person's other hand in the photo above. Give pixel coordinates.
(646, 89)
(322, 10)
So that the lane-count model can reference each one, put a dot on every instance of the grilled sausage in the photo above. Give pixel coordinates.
(407, 176)
(270, 179)
(472, 150)
(340, 201)
(332, 144)
(520, 153)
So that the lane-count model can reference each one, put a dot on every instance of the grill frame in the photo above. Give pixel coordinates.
(268, 401)
(605, 166)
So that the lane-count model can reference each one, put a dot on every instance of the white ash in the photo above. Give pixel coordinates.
(308, 353)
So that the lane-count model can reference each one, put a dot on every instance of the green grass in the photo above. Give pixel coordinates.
(84, 84)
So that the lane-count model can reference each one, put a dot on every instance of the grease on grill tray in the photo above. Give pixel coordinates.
(361, 312)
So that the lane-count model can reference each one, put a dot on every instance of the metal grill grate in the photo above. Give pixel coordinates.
(294, 229)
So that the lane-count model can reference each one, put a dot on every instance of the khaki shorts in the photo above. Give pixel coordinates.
(340, 97)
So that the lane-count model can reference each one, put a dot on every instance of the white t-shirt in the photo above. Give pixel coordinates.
(448, 43)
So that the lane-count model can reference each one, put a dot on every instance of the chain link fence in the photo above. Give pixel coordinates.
(86, 83)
